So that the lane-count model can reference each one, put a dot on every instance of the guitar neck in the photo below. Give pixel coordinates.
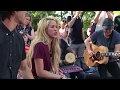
(110, 54)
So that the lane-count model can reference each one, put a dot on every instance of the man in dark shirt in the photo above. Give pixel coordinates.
(77, 34)
(12, 46)
(77, 38)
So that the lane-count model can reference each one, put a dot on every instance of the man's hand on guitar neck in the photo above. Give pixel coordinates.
(116, 54)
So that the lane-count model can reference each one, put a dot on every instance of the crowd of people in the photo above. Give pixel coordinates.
(44, 54)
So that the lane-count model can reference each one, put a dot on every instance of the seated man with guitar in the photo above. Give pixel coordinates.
(103, 50)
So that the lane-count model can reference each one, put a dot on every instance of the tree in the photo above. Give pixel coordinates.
(116, 12)
(87, 16)
(37, 15)
(63, 13)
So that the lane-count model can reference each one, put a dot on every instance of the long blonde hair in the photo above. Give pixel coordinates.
(42, 36)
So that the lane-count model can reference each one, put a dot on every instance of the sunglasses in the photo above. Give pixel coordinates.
(64, 21)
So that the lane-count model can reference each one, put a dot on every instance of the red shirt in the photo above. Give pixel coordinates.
(41, 51)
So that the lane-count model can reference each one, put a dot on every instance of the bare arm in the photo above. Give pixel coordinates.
(39, 65)
(88, 44)
(70, 24)
(32, 35)
(117, 49)
(25, 70)
(110, 15)
(96, 18)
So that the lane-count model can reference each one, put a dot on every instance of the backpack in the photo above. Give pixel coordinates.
(117, 23)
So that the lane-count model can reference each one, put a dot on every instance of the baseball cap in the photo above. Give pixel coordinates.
(107, 24)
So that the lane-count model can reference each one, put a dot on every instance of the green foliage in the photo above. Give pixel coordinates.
(87, 16)
(37, 15)
(117, 12)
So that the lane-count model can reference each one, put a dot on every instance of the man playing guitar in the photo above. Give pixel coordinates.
(108, 38)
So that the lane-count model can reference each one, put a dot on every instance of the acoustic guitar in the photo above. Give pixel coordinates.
(101, 55)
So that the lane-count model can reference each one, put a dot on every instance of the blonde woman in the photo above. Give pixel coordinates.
(44, 52)
(26, 29)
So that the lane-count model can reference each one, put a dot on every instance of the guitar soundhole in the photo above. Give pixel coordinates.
(97, 57)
